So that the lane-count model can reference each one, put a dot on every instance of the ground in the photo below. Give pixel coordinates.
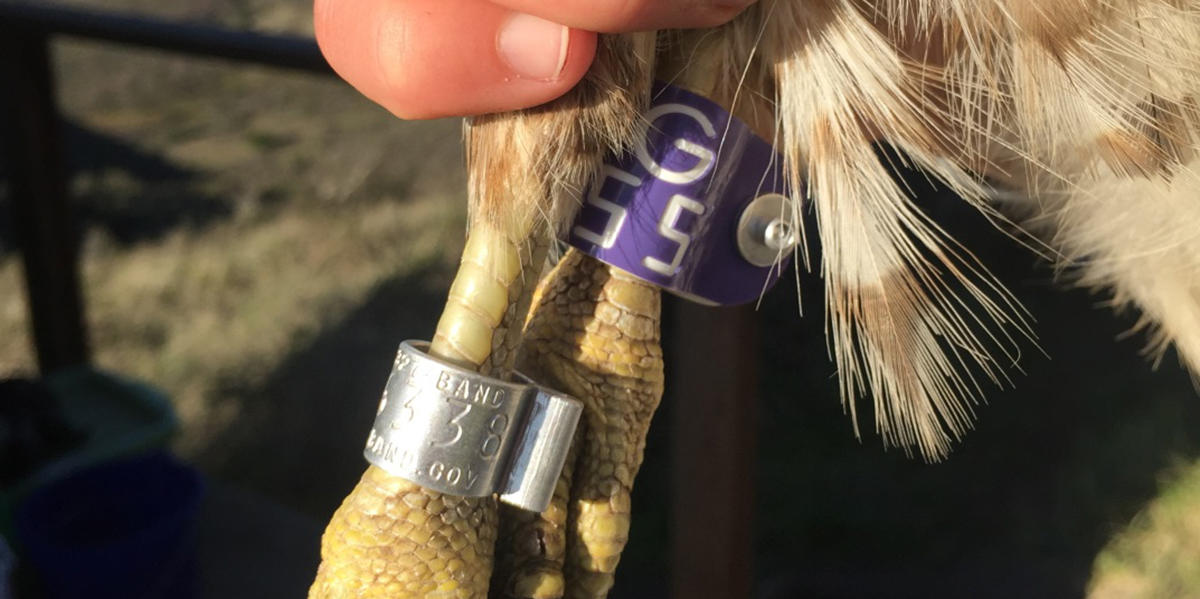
(256, 243)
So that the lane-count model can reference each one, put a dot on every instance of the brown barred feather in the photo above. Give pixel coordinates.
(1083, 110)
(1059, 102)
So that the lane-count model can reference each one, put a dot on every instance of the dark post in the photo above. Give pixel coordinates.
(713, 373)
(41, 215)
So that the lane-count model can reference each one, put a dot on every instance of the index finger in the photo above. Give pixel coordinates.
(434, 58)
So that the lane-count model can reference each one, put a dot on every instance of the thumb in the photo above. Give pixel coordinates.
(435, 58)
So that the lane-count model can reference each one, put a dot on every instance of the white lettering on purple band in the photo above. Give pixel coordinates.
(608, 235)
(706, 156)
(666, 228)
(668, 211)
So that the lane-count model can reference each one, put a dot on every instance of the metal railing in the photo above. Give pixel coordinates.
(41, 214)
(283, 51)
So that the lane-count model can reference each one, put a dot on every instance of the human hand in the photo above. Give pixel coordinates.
(433, 58)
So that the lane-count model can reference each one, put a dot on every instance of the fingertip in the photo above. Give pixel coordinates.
(424, 59)
(577, 59)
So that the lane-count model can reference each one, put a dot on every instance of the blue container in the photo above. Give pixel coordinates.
(122, 417)
(123, 529)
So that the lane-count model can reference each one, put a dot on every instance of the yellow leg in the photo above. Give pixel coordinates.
(595, 334)
(392, 538)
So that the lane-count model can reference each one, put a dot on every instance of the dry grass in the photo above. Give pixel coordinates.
(16, 352)
(231, 214)
(1158, 554)
(195, 312)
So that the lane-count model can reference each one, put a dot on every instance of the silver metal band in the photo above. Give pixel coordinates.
(459, 432)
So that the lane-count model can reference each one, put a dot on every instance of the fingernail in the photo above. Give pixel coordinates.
(533, 48)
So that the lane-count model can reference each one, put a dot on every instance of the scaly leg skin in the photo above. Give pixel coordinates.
(395, 539)
(533, 546)
(595, 334)
(385, 540)
(599, 118)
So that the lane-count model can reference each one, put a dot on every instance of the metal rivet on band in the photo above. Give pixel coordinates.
(765, 234)
(459, 432)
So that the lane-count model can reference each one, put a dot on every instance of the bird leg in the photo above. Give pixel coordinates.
(390, 537)
(594, 333)
(393, 538)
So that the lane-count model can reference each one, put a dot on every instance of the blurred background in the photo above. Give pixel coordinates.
(254, 242)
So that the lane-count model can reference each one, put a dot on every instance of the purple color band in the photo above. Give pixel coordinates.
(668, 212)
